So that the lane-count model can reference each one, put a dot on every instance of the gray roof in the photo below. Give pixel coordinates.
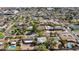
(41, 39)
(74, 26)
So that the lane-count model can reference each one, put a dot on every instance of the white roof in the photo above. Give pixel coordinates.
(16, 11)
(28, 41)
(13, 42)
(48, 27)
(47, 31)
(41, 39)
(30, 27)
(1, 43)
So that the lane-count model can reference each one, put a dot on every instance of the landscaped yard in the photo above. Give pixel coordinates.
(1, 35)
(76, 30)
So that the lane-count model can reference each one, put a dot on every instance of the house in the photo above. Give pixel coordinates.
(30, 28)
(27, 44)
(31, 34)
(53, 21)
(47, 33)
(66, 36)
(46, 17)
(42, 21)
(56, 28)
(74, 26)
(41, 39)
(41, 27)
(49, 28)
(59, 28)
(7, 12)
(12, 45)
(15, 11)
(34, 18)
(27, 41)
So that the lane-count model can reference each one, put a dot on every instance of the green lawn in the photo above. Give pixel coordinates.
(76, 30)
(1, 35)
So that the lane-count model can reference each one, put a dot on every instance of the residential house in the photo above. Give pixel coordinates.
(49, 28)
(41, 28)
(47, 33)
(41, 39)
(66, 36)
(30, 28)
(56, 28)
(27, 44)
(74, 26)
(12, 44)
(59, 28)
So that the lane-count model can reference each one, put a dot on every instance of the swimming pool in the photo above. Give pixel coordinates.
(69, 45)
(12, 47)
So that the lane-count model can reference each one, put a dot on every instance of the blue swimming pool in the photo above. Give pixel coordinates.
(69, 45)
(12, 47)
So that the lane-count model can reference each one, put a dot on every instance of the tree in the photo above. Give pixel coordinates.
(34, 26)
(40, 33)
(50, 43)
(18, 43)
(41, 47)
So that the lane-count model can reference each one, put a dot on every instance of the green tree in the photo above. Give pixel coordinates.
(41, 47)
(34, 26)
(50, 43)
